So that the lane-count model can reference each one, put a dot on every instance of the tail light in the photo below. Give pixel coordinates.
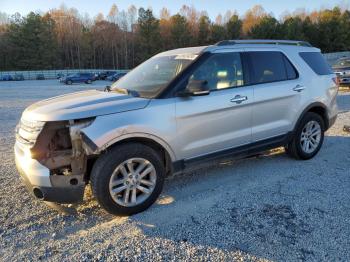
(336, 80)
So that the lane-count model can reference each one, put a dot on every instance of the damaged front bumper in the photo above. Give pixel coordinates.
(43, 186)
(52, 159)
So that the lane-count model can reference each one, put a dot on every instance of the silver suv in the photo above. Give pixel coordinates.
(175, 110)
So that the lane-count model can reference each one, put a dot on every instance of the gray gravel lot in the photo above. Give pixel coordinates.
(264, 208)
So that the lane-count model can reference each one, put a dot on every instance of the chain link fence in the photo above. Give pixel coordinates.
(52, 74)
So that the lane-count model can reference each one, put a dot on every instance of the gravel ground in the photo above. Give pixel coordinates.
(259, 209)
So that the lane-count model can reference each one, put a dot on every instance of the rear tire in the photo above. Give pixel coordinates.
(88, 81)
(69, 82)
(115, 178)
(308, 137)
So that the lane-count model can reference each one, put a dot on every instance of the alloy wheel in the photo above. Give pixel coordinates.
(310, 137)
(132, 182)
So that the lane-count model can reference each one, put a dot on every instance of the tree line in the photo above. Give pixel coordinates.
(62, 38)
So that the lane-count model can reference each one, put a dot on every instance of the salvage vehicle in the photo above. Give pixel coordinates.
(176, 110)
(86, 78)
(342, 69)
(59, 75)
(18, 77)
(116, 76)
(103, 75)
(40, 77)
(7, 78)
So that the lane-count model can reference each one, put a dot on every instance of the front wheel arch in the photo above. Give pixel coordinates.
(163, 152)
(102, 173)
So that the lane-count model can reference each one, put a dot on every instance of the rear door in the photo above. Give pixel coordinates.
(220, 120)
(278, 92)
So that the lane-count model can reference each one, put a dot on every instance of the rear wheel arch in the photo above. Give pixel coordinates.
(307, 138)
(317, 108)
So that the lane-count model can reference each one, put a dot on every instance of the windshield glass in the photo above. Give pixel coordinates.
(152, 76)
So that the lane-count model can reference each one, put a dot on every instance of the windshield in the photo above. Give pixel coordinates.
(152, 76)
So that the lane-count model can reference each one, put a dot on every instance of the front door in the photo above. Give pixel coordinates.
(218, 121)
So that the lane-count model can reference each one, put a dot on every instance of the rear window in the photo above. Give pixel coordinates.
(317, 62)
(270, 66)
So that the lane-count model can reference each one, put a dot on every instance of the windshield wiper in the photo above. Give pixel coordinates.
(126, 91)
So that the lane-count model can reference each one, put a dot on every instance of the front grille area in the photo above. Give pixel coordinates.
(28, 131)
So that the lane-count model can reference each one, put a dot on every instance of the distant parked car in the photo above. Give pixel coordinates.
(7, 78)
(18, 77)
(342, 69)
(116, 76)
(40, 77)
(96, 76)
(78, 78)
(59, 75)
(105, 74)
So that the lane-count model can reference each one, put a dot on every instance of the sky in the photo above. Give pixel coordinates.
(213, 8)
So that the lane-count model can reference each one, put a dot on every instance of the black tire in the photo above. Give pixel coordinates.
(69, 82)
(88, 81)
(294, 148)
(109, 161)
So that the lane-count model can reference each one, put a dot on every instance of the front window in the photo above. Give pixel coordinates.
(221, 71)
(152, 76)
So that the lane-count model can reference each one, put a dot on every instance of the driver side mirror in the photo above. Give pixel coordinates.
(196, 88)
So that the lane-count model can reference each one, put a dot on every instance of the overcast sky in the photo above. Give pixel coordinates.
(92, 7)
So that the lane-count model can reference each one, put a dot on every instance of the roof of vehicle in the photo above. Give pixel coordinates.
(283, 44)
(181, 51)
(264, 41)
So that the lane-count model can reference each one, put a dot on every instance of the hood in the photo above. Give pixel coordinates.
(83, 105)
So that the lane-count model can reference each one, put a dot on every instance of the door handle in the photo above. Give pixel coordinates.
(239, 99)
(298, 88)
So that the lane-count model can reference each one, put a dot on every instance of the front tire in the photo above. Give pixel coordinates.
(128, 179)
(308, 138)
(88, 81)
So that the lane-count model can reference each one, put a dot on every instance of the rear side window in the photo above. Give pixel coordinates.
(270, 66)
(317, 62)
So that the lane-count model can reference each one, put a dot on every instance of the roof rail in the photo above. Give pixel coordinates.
(264, 42)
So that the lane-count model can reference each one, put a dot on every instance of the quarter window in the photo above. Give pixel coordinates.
(221, 71)
(317, 62)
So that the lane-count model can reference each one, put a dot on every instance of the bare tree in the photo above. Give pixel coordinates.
(253, 17)
(132, 14)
